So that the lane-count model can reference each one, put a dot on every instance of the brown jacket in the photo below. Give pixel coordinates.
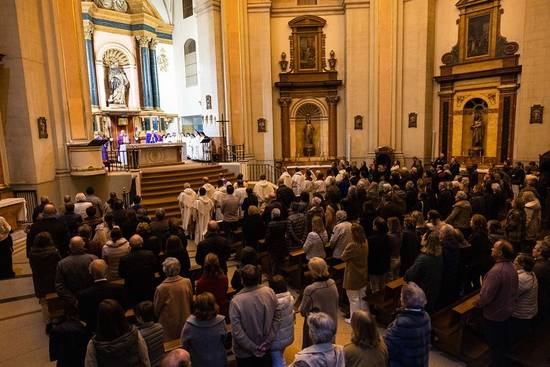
(356, 257)
(173, 299)
(461, 214)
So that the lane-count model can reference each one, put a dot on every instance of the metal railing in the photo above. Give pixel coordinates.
(232, 153)
(254, 171)
(31, 201)
(122, 160)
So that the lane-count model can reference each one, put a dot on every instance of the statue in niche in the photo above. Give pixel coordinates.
(477, 130)
(309, 131)
(116, 5)
(118, 85)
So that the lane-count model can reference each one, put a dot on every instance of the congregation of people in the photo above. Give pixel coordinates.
(448, 231)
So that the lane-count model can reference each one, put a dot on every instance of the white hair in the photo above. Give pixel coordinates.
(171, 266)
(322, 328)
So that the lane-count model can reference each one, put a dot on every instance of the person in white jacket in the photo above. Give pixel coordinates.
(285, 308)
(186, 201)
(298, 182)
(287, 179)
(203, 208)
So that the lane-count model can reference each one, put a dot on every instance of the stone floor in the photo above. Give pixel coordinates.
(23, 341)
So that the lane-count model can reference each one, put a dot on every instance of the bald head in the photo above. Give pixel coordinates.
(176, 358)
(49, 209)
(98, 269)
(213, 226)
(77, 243)
(136, 241)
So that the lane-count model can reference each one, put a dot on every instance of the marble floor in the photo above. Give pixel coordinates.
(23, 341)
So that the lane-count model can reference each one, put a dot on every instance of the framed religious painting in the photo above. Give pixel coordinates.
(262, 125)
(358, 122)
(536, 114)
(42, 128)
(413, 117)
(308, 51)
(478, 35)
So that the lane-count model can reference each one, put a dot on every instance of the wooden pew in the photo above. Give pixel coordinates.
(452, 331)
(533, 351)
(52, 307)
(386, 301)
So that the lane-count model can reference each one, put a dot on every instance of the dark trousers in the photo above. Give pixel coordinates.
(264, 361)
(497, 334)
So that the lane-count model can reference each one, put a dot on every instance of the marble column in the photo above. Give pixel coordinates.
(332, 125)
(145, 62)
(285, 125)
(90, 62)
(154, 74)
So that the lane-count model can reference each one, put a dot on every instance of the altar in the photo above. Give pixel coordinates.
(14, 210)
(158, 154)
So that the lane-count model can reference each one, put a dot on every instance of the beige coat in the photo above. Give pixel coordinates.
(173, 299)
(356, 257)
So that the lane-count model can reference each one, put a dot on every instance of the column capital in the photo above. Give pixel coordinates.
(285, 101)
(143, 41)
(204, 5)
(154, 43)
(332, 100)
(88, 30)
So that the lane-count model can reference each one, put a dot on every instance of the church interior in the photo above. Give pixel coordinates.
(274, 182)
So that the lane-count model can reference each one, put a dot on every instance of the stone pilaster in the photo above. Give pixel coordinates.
(145, 62)
(89, 43)
(284, 102)
(332, 125)
(154, 73)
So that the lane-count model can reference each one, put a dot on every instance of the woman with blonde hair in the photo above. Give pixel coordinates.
(367, 348)
(316, 240)
(427, 270)
(356, 278)
(320, 296)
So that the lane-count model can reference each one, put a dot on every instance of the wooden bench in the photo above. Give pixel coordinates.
(386, 301)
(453, 333)
(52, 307)
(533, 351)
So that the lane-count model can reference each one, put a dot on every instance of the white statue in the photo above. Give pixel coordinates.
(116, 5)
(118, 85)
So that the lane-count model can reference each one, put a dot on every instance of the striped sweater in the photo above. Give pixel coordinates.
(527, 298)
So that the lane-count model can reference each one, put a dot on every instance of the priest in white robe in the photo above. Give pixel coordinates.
(298, 182)
(203, 208)
(210, 189)
(263, 189)
(186, 201)
(287, 179)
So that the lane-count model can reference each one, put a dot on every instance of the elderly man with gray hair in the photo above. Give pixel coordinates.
(341, 234)
(408, 336)
(323, 353)
(72, 274)
(173, 299)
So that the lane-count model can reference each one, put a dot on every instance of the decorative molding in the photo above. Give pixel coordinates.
(285, 101)
(162, 60)
(88, 30)
(143, 41)
(154, 43)
(206, 5)
(332, 100)
(114, 56)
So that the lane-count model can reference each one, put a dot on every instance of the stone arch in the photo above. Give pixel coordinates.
(317, 112)
(115, 50)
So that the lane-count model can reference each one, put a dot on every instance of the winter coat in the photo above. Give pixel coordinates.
(204, 340)
(275, 238)
(526, 306)
(480, 251)
(73, 275)
(173, 299)
(314, 246)
(356, 256)
(410, 247)
(366, 357)
(112, 252)
(408, 339)
(460, 215)
(341, 236)
(285, 334)
(515, 228)
(320, 355)
(319, 296)
(43, 261)
(427, 273)
(153, 334)
(533, 219)
(128, 350)
(379, 254)
(216, 244)
(138, 270)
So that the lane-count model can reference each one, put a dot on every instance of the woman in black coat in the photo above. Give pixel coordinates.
(43, 259)
(480, 252)
(275, 238)
(379, 255)
(253, 228)
(410, 245)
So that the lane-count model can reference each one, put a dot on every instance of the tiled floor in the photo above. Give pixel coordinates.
(24, 343)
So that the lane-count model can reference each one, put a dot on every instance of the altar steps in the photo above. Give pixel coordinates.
(160, 189)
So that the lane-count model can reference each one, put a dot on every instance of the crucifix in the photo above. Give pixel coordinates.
(223, 125)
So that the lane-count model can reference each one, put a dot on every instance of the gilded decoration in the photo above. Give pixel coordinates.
(162, 60)
(307, 44)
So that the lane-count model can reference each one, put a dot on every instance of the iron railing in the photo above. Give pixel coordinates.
(231, 153)
(31, 201)
(254, 171)
(121, 160)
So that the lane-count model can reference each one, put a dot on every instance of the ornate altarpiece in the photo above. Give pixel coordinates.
(306, 80)
(478, 87)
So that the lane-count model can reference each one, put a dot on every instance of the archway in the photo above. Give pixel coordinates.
(309, 129)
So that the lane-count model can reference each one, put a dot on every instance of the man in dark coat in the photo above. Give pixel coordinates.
(138, 271)
(72, 274)
(542, 271)
(53, 225)
(39, 209)
(90, 298)
(213, 243)
(285, 195)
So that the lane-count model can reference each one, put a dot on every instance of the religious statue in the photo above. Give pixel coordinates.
(477, 130)
(309, 130)
(116, 5)
(118, 85)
